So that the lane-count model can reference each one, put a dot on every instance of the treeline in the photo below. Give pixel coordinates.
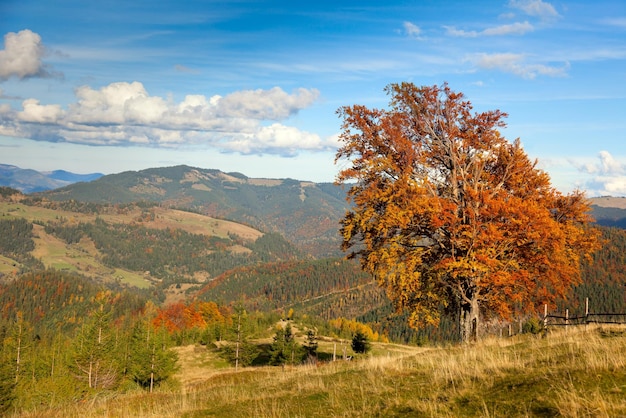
(279, 284)
(171, 255)
(8, 191)
(87, 207)
(53, 301)
(65, 339)
(604, 277)
(16, 242)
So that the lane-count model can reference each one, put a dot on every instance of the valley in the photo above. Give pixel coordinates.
(198, 249)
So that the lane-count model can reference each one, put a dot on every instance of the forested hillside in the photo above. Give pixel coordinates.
(168, 251)
(305, 212)
(52, 301)
(140, 245)
(604, 277)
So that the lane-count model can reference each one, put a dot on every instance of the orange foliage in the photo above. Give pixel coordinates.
(180, 317)
(343, 324)
(448, 213)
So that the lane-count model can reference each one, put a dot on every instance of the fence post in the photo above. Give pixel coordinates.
(566, 319)
(545, 319)
(586, 312)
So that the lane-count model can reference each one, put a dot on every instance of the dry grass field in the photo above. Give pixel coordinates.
(575, 374)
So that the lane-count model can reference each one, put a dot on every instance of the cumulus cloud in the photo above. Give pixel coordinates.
(22, 56)
(609, 175)
(536, 8)
(516, 64)
(278, 139)
(126, 114)
(37, 113)
(518, 28)
(607, 165)
(272, 104)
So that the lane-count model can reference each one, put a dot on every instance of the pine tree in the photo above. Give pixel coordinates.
(310, 344)
(151, 359)
(360, 343)
(7, 382)
(93, 357)
(284, 348)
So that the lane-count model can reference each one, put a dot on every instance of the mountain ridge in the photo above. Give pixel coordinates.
(305, 212)
(31, 181)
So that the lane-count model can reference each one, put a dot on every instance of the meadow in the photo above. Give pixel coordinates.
(578, 373)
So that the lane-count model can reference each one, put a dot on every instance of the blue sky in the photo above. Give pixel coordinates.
(253, 86)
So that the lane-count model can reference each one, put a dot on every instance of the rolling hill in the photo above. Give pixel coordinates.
(141, 246)
(306, 213)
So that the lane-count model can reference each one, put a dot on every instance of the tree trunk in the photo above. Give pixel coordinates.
(152, 368)
(469, 318)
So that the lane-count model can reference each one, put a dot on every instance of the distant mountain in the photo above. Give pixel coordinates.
(31, 181)
(68, 177)
(306, 213)
(609, 211)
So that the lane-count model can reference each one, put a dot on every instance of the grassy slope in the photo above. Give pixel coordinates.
(84, 257)
(575, 374)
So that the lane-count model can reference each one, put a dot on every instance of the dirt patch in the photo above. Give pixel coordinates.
(265, 182)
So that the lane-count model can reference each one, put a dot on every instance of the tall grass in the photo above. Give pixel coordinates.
(575, 374)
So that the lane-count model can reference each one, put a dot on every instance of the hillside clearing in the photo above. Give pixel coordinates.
(571, 374)
(163, 218)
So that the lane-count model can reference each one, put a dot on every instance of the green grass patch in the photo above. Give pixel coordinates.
(8, 265)
(131, 278)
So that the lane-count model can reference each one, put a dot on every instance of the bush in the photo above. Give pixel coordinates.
(533, 326)
(360, 343)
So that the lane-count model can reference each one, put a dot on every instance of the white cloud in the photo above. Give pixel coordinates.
(274, 104)
(35, 112)
(452, 31)
(126, 114)
(536, 8)
(412, 30)
(279, 139)
(605, 166)
(21, 56)
(609, 165)
(518, 28)
(609, 175)
(516, 64)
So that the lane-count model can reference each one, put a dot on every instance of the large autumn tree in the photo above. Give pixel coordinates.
(449, 215)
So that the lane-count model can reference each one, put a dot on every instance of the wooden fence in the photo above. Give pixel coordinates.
(588, 318)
